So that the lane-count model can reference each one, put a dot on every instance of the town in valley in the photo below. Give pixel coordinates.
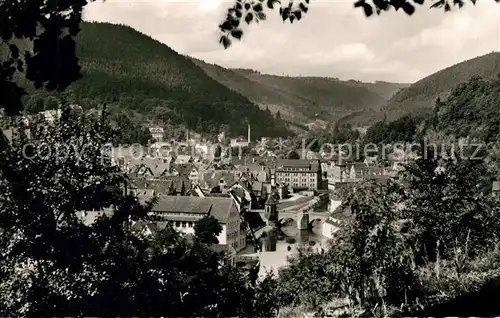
(150, 169)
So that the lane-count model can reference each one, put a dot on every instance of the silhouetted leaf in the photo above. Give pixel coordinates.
(397, 4)
(226, 41)
(261, 15)
(303, 7)
(247, 6)
(286, 13)
(226, 26)
(408, 8)
(239, 6)
(460, 3)
(249, 17)
(271, 3)
(298, 14)
(20, 65)
(237, 34)
(367, 9)
(14, 51)
(438, 4)
(447, 7)
(238, 14)
(291, 18)
(359, 3)
(257, 7)
(419, 1)
(235, 22)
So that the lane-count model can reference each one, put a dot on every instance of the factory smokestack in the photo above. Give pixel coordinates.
(248, 136)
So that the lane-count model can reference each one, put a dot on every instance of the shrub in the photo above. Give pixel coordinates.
(291, 240)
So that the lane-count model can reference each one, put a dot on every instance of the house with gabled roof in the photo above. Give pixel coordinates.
(335, 221)
(358, 171)
(174, 185)
(144, 228)
(221, 179)
(11, 132)
(183, 212)
(147, 167)
(144, 171)
(188, 170)
(495, 189)
(183, 159)
(370, 161)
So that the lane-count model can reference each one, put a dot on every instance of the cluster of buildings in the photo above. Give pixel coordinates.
(189, 182)
(190, 186)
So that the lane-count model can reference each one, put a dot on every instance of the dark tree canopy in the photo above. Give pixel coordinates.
(51, 62)
(293, 155)
(248, 11)
(59, 260)
(207, 229)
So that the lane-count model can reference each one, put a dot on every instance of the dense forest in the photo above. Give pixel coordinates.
(417, 100)
(300, 97)
(419, 97)
(471, 110)
(130, 71)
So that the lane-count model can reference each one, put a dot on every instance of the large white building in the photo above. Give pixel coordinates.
(335, 221)
(184, 211)
(157, 133)
(299, 174)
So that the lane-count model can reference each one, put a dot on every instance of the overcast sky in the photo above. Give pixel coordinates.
(334, 39)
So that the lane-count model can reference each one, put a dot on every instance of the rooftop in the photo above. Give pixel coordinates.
(313, 165)
(218, 207)
(496, 186)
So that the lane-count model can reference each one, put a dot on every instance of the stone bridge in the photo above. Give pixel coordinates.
(303, 219)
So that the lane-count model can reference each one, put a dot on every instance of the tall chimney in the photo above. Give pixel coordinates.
(248, 137)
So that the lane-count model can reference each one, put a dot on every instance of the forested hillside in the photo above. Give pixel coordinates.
(419, 98)
(298, 98)
(472, 109)
(142, 76)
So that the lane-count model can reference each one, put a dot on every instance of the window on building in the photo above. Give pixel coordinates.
(177, 224)
(184, 224)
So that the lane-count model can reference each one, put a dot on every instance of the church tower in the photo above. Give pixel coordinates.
(271, 209)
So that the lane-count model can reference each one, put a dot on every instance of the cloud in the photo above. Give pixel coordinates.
(349, 52)
(334, 39)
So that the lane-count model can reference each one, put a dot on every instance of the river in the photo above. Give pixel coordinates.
(285, 248)
(301, 236)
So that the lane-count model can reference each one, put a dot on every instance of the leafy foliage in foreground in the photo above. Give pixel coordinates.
(419, 98)
(248, 11)
(471, 110)
(207, 229)
(394, 255)
(51, 62)
(54, 263)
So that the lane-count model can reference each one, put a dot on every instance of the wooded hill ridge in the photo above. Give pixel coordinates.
(420, 97)
(300, 98)
(150, 82)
